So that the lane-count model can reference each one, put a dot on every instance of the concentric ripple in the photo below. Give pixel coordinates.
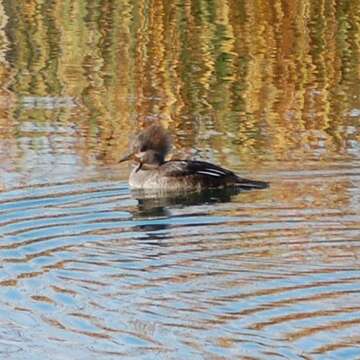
(88, 271)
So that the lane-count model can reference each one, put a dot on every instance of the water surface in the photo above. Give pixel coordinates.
(267, 89)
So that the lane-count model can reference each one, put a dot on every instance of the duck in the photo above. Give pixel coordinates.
(153, 172)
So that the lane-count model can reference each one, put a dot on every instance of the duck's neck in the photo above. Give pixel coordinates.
(151, 160)
(147, 166)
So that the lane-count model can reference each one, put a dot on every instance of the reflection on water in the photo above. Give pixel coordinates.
(90, 270)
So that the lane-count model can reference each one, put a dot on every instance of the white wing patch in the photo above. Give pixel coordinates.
(219, 171)
(208, 173)
(212, 172)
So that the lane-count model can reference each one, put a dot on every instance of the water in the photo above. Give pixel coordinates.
(89, 270)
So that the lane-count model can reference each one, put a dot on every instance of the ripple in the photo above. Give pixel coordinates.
(85, 264)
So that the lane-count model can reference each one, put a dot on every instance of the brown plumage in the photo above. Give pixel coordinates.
(153, 138)
(152, 172)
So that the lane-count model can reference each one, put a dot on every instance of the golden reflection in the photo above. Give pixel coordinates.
(256, 79)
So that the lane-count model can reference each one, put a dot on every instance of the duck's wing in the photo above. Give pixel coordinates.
(208, 174)
(193, 168)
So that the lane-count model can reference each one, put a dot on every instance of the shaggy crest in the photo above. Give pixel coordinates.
(154, 138)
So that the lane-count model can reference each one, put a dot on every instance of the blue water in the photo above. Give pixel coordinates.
(90, 271)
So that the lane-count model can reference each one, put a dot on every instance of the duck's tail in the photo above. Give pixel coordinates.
(251, 184)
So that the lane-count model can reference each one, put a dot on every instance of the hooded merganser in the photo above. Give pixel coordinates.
(153, 172)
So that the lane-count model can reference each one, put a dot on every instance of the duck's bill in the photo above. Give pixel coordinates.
(127, 157)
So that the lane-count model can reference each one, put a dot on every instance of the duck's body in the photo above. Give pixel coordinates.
(187, 175)
(154, 173)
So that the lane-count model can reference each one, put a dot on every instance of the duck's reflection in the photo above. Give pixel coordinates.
(154, 208)
(154, 204)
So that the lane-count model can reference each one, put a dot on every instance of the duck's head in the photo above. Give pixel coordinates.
(149, 148)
